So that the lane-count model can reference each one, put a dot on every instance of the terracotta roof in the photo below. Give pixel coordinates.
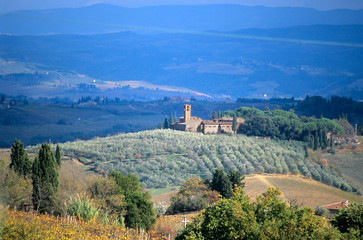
(226, 119)
(337, 205)
(211, 122)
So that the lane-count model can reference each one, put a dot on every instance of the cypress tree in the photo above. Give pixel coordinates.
(20, 161)
(236, 179)
(171, 120)
(166, 123)
(214, 115)
(45, 179)
(234, 125)
(321, 141)
(325, 142)
(58, 156)
(312, 142)
(316, 141)
(222, 184)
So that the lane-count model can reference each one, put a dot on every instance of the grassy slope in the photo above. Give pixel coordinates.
(295, 188)
(303, 191)
(349, 162)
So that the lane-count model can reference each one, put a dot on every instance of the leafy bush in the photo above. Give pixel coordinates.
(350, 221)
(194, 195)
(267, 218)
(82, 208)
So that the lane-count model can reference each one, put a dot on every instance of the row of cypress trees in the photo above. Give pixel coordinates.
(43, 171)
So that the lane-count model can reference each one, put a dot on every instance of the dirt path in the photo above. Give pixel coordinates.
(263, 179)
(76, 161)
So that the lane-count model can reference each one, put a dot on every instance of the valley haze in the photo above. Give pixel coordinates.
(213, 51)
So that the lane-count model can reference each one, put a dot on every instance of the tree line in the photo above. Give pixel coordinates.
(286, 125)
(332, 108)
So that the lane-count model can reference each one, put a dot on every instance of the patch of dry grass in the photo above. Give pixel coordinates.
(173, 223)
(298, 189)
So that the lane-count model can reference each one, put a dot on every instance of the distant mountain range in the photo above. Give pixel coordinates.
(104, 18)
(216, 50)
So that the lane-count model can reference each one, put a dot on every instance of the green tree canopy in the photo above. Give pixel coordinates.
(259, 125)
(58, 156)
(350, 221)
(267, 218)
(20, 162)
(246, 112)
(194, 195)
(236, 179)
(139, 208)
(45, 179)
(221, 183)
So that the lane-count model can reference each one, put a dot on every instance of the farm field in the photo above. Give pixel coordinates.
(295, 188)
(298, 189)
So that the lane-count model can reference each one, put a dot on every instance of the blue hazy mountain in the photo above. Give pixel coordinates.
(318, 59)
(104, 18)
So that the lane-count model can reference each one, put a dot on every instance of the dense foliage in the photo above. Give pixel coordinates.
(139, 208)
(20, 161)
(15, 189)
(194, 195)
(286, 125)
(222, 184)
(161, 158)
(267, 218)
(349, 221)
(45, 179)
(332, 108)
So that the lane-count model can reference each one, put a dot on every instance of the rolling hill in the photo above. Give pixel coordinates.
(162, 158)
(295, 189)
(283, 62)
(298, 189)
(104, 18)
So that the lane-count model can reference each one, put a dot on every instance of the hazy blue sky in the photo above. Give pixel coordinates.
(11, 5)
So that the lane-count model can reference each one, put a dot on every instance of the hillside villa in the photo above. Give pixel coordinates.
(189, 123)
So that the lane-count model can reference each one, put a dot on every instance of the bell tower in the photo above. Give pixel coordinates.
(187, 112)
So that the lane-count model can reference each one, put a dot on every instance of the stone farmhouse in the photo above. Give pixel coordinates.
(189, 123)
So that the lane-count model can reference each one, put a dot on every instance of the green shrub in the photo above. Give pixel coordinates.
(82, 209)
